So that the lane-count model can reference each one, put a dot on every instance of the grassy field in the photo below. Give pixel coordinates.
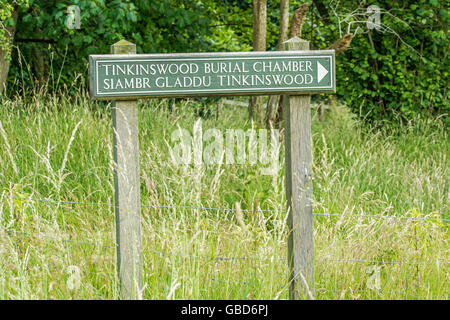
(60, 148)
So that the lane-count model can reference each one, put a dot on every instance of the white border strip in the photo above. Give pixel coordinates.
(227, 90)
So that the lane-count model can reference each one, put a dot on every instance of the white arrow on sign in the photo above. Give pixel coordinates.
(321, 72)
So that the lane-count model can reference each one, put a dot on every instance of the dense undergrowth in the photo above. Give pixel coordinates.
(381, 198)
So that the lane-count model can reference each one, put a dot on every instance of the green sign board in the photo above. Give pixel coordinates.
(114, 77)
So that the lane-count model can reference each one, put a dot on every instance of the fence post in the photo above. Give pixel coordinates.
(298, 157)
(127, 190)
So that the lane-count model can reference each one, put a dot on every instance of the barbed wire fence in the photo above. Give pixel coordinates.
(224, 258)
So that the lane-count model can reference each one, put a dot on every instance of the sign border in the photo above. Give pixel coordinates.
(96, 59)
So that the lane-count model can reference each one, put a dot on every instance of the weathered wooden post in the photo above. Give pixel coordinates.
(298, 155)
(127, 189)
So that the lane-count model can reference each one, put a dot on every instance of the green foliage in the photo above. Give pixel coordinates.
(171, 26)
(155, 26)
(66, 57)
(400, 71)
(6, 20)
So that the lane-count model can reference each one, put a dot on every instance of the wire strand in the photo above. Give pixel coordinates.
(232, 209)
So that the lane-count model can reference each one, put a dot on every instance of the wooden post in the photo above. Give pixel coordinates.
(127, 190)
(297, 115)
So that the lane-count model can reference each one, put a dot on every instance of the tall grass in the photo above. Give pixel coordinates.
(60, 147)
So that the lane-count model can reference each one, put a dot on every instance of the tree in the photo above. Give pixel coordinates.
(259, 44)
(274, 100)
(274, 105)
(274, 108)
(399, 69)
(8, 20)
(59, 53)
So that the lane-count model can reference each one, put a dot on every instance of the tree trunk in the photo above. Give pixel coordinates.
(39, 67)
(274, 111)
(4, 56)
(259, 44)
(284, 23)
(272, 104)
(259, 25)
(298, 20)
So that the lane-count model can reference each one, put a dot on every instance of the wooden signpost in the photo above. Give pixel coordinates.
(296, 72)
(127, 189)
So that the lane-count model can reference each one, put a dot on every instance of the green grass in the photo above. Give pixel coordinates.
(61, 148)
